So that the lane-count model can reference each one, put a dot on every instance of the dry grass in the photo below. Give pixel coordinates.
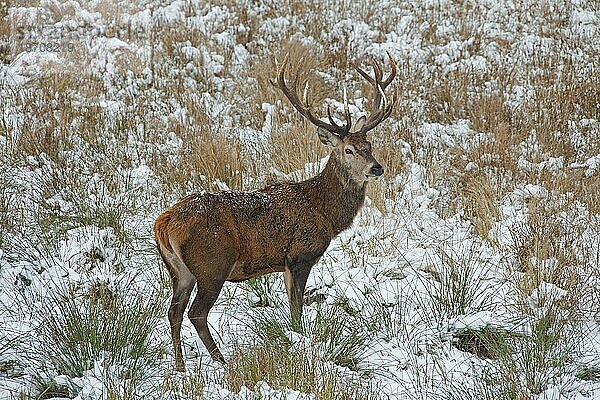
(547, 253)
(167, 121)
(481, 201)
(189, 386)
(294, 147)
(562, 98)
(5, 30)
(206, 158)
(49, 106)
(296, 369)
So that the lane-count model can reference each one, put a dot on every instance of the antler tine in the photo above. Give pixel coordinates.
(330, 117)
(390, 108)
(305, 96)
(381, 113)
(392, 75)
(297, 75)
(347, 111)
(303, 107)
(377, 70)
(392, 105)
(364, 74)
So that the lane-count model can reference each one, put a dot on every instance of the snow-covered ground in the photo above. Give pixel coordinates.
(426, 300)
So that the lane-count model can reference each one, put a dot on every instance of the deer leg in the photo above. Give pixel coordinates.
(183, 283)
(198, 314)
(182, 289)
(295, 282)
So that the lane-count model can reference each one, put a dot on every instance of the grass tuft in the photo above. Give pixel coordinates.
(299, 369)
(109, 324)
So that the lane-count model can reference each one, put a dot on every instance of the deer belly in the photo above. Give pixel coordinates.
(244, 270)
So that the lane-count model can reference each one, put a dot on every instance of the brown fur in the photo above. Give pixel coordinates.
(263, 229)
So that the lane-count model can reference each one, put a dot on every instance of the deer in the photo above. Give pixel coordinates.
(208, 238)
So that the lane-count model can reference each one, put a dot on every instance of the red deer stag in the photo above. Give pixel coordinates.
(209, 238)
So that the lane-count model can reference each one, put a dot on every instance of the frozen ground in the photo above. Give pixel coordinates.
(431, 304)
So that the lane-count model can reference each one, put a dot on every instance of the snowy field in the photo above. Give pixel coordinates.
(472, 272)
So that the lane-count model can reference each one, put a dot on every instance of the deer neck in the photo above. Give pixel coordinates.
(336, 195)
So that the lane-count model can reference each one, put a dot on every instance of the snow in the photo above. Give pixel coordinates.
(547, 292)
(591, 165)
(32, 64)
(584, 23)
(405, 260)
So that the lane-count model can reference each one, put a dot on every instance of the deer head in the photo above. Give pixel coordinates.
(349, 142)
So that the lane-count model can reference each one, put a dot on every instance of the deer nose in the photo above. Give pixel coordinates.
(377, 170)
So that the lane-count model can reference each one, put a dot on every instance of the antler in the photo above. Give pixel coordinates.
(379, 113)
(304, 108)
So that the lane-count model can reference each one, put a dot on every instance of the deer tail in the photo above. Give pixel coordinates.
(161, 232)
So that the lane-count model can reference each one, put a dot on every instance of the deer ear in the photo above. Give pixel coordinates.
(328, 138)
(360, 124)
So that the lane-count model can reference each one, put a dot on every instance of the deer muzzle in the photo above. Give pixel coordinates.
(377, 170)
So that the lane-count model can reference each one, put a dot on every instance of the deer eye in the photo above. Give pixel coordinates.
(348, 151)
